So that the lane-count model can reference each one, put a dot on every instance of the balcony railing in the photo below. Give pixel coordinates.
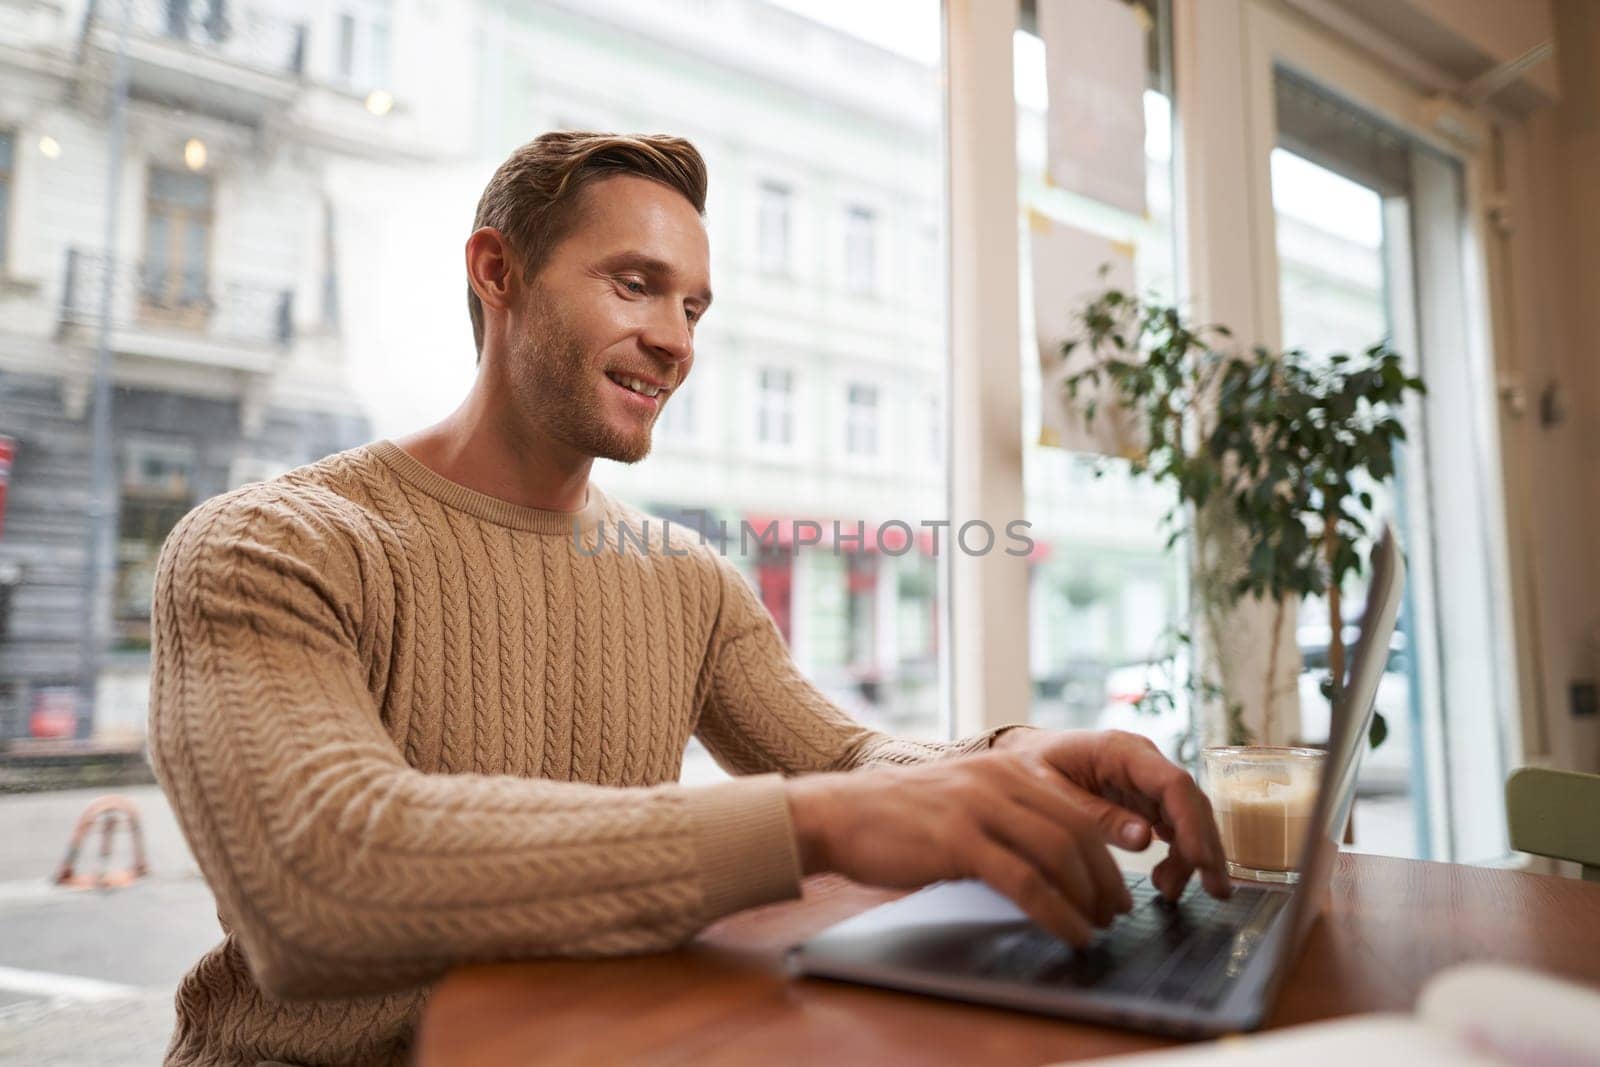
(241, 33)
(153, 298)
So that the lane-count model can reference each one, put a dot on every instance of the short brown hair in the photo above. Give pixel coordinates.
(533, 196)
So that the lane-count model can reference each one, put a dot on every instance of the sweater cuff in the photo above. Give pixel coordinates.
(745, 844)
(985, 741)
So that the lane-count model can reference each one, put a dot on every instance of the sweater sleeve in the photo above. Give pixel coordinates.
(343, 870)
(761, 714)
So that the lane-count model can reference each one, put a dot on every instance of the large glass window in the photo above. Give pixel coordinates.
(1105, 593)
(273, 300)
(284, 279)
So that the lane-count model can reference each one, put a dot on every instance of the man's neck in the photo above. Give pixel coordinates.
(474, 447)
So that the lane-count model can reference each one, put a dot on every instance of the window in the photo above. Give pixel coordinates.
(775, 205)
(157, 491)
(861, 420)
(8, 142)
(1105, 590)
(362, 37)
(190, 20)
(775, 406)
(347, 46)
(861, 250)
(251, 342)
(177, 246)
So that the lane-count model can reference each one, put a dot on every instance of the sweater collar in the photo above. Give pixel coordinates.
(491, 509)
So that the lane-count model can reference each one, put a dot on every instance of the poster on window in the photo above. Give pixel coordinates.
(1095, 70)
(1066, 275)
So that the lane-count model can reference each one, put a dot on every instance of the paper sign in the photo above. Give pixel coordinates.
(1066, 276)
(1095, 70)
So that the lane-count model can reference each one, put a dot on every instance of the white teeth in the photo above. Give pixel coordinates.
(636, 385)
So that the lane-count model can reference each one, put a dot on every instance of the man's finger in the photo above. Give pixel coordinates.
(1171, 875)
(1052, 852)
(1118, 825)
(1017, 880)
(1080, 814)
(1129, 762)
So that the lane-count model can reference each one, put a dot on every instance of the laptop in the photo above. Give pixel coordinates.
(1191, 968)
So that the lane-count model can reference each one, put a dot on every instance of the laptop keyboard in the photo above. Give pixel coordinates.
(1186, 952)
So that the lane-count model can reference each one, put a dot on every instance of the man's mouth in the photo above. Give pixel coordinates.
(636, 385)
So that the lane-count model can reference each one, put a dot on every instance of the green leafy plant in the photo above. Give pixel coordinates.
(1279, 449)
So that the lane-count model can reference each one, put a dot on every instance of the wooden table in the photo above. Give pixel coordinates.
(725, 999)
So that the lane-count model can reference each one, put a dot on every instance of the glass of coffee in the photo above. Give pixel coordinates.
(1263, 798)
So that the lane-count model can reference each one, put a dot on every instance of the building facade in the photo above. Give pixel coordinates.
(211, 278)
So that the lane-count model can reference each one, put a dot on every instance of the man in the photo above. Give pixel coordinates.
(411, 715)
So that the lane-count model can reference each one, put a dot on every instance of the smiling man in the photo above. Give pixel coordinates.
(408, 719)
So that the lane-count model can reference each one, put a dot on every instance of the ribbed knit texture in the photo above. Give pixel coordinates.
(406, 726)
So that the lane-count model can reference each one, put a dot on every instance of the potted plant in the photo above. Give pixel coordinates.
(1272, 457)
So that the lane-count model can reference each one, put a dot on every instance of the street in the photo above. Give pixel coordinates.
(87, 976)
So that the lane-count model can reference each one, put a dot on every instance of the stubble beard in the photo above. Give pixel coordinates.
(555, 390)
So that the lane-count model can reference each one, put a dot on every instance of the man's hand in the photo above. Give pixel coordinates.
(1131, 790)
(1031, 818)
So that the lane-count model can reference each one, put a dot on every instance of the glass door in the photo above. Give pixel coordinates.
(1372, 244)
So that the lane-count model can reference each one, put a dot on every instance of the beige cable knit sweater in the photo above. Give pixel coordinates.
(406, 726)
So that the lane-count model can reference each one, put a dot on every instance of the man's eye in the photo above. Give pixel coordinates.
(694, 316)
(634, 285)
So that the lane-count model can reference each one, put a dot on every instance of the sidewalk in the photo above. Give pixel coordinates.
(87, 977)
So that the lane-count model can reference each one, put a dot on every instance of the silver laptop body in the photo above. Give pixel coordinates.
(963, 939)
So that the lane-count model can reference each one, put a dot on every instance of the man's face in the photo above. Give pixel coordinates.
(610, 319)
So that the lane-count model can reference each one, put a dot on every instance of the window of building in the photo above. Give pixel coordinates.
(175, 277)
(347, 46)
(8, 142)
(775, 207)
(157, 491)
(361, 60)
(861, 249)
(861, 420)
(775, 406)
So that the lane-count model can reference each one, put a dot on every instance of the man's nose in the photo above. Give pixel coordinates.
(669, 336)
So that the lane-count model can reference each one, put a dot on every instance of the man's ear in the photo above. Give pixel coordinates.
(491, 269)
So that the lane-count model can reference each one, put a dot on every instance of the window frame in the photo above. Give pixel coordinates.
(775, 261)
(853, 416)
(787, 416)
(862, 237)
